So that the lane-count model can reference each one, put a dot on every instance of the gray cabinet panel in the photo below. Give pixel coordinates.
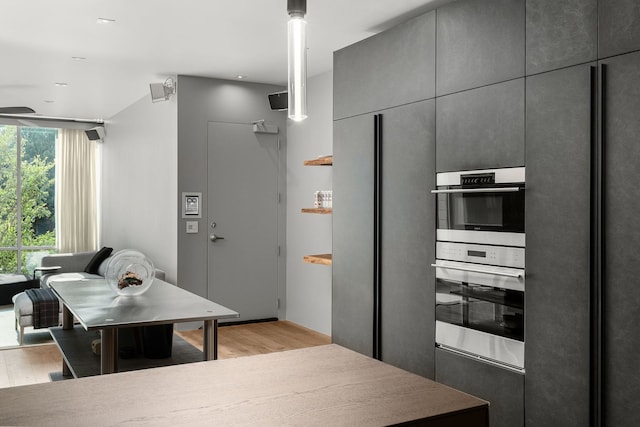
(392, 68)
(557, 263)
(560, 33)
(503, 389)
(622, 241)
(481, 128)
(619, 27)
(408, 239)
(352, 288)
(479, 42)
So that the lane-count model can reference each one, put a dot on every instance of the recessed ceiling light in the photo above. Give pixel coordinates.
(78, 58)
(240, 77)
(49, 101)
(105, 21)
(61, 84)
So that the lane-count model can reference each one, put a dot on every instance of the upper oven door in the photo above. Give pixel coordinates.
(481, 206)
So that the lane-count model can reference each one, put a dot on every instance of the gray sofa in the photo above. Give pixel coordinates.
(72, 268)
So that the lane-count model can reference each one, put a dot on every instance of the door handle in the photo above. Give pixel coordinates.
(478, 190)
(479, 270)
(213, 237)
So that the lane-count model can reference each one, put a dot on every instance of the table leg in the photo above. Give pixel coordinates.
(67, 318)
(210, 346)
(66, 372)
(67, 323)
(109, 351)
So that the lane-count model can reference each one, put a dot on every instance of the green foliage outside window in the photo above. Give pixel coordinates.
(37, 154)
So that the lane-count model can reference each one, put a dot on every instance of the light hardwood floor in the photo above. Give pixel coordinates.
(30, 365)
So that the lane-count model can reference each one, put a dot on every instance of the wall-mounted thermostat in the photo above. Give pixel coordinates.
(191, 204)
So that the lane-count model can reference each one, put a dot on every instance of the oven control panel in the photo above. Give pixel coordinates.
(505, 256)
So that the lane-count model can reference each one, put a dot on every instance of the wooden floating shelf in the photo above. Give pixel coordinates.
(320, 161)
(323, 259)
(323, 211)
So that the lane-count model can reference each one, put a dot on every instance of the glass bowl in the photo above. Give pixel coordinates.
(129, 273)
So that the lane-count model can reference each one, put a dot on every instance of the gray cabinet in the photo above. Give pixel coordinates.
(560, 33)
(557, 224)
(503, 389)
(558, 337)
(481, 128)
(407, 224)
(352, 281)
(479, 42)
(391, 68)
(618, 27)
(408, 235)
(570, 32)
(622, 241)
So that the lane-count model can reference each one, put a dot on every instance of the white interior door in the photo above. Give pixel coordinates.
(243, 216)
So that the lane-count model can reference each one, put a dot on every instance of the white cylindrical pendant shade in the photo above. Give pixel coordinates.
(297, 68)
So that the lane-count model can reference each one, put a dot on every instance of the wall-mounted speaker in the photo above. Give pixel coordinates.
(158, 92)
(279, 101)
(162, 91)
(95, 133)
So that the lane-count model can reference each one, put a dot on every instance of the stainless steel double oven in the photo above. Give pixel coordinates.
(480, 264)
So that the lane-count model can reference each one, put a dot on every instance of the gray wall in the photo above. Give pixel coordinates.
(168, 140)
(139, 181)
(309, 285)
(201, 100)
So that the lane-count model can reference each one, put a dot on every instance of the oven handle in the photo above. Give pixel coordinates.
(474, 270)
(478, 190)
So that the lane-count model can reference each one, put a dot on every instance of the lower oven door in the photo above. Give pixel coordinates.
(480, 311)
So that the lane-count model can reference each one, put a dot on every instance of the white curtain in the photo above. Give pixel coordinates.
(76, 192)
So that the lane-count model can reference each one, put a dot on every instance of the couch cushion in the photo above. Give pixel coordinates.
(68, 262)
(103, 267)
(98, 258)
(67, 277)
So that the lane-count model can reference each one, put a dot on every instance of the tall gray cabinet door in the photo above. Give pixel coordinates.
(560, 33)
(622, 241)
(618, 27)
(389, 69)
(557, 259)
(481, 128)
(352, 284)
(502, 388)
(408, 240)
(479, 42)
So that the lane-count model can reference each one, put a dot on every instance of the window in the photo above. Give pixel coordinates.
(27, 196)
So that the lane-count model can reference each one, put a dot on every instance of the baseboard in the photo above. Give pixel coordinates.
(247, 322)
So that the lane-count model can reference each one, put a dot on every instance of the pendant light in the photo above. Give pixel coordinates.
(297, 59)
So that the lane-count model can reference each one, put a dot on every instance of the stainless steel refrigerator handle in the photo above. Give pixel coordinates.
(478, 190)
(473, 270)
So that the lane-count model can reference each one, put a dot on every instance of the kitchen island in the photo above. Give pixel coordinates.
(324, 385)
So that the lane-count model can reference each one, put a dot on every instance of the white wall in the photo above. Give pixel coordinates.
(309, 285)
(139, 182)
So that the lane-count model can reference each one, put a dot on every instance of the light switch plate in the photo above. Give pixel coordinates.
(192, 227)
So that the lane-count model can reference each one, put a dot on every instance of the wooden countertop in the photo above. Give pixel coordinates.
(325, 385)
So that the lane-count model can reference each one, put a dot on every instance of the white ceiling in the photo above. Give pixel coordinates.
(154, 39)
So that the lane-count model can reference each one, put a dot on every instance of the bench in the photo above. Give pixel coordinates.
(12, 284)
